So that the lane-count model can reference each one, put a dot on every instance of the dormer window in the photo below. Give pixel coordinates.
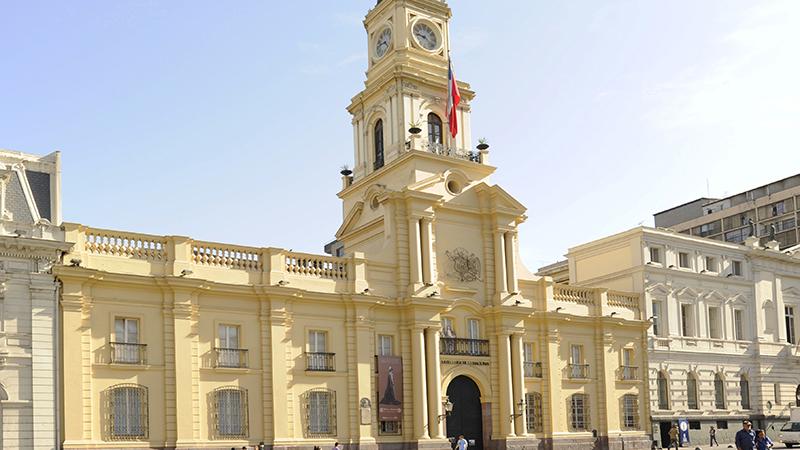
(434, 129)
(378, 135)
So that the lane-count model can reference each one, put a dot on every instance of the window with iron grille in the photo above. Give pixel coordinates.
(533, 412)
(744, 390)
(579, 412)
(320, 406)
(127, 404)
(663, 391)
(230, 413)
(390, 427)
(630, 412)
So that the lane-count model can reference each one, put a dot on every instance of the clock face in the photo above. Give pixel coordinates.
(425, 36)
(382, 43)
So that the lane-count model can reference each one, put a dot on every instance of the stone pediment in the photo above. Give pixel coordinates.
(658, 289)
(738, 299)
(500, 200)
(791, 291)
(716, 295)
(687, 292)
(351, 220)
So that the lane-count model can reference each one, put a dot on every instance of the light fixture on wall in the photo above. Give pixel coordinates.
(447, 407)
(75, 262)
(559, 308)
(433, 294)
(365, 291)
(520, 409)
(185, 273)
(613, 313)
(283, 283)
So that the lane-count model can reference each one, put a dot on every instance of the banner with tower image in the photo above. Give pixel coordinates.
(390, 388)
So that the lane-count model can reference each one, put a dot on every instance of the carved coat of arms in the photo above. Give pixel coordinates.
(466, 266)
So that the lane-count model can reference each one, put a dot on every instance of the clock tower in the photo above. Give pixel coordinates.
(406, 87)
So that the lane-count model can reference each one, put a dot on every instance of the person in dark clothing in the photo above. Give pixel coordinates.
(745, 438)
(712, 434)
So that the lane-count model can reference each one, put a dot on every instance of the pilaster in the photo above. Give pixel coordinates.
(419, 383)
(434, 372)
(518, 383)
(505, 384)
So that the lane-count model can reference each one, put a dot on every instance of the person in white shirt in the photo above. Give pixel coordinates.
(462, 443)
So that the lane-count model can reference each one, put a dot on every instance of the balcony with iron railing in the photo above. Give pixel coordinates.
(230, 357)
(128, 353)
(453, 152)
(577, 371)
(320, 362)
(628, 373)
(463, 347)
(532, 369)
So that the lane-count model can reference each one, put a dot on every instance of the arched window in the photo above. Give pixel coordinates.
(719, 392)
(230, 413)
(691, 391)
(744, 389)
(127, 406)
(663, 391)
(378, 135)
(533, 412)
(434, 129)
(579, 412)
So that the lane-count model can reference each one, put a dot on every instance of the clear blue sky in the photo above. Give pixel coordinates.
(226, 121)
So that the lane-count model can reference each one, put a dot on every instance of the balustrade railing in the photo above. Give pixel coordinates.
(127, 353)
(230, 357)
(628, 373)
(316, 266)
(532, 369)
(442, 150)
(131, 245)
(623, 300)
(320, 362)
(573, 294)
(463, 347)
(221, 255)
(578, 371)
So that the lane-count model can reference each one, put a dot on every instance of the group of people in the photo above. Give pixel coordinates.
(746, 438)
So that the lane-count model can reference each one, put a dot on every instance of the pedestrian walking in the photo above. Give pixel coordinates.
(745, 438)
(462, 443)
(762, 441)
(673, 436)
(712, 435)
(336, 446)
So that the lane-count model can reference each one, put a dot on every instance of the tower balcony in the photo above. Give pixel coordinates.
(447, 150)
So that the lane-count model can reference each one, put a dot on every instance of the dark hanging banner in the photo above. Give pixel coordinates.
(390, 388)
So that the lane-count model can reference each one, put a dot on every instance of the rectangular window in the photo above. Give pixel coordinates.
(533, 412)
(321, 410)
(318, 358)
(389, 427)
(683, 260)
(531, 368)
(714, 323)
(628, 365)
(711, 264)
(736, 268)
(577, 369)
(776, 392)
(630, 412)
(790, 331)
(385, 345)
(657, 318)
(694, 424)
(738, 324)
(527, 352)
(229, 353)
(655, 255)
(230, 413)
(126, 348)
(447, 328)
(687, 320)
(579, 409)
(722, 424)
(473, 329)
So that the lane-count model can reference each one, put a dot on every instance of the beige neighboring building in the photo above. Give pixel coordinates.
(728, 219)
(427, 327)
(725, 324)
(30, 243)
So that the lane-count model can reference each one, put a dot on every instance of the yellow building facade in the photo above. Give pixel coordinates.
(429, 325)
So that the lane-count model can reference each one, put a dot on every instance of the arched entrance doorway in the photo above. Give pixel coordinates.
(466, 417)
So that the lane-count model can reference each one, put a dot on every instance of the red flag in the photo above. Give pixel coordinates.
(453, 99)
